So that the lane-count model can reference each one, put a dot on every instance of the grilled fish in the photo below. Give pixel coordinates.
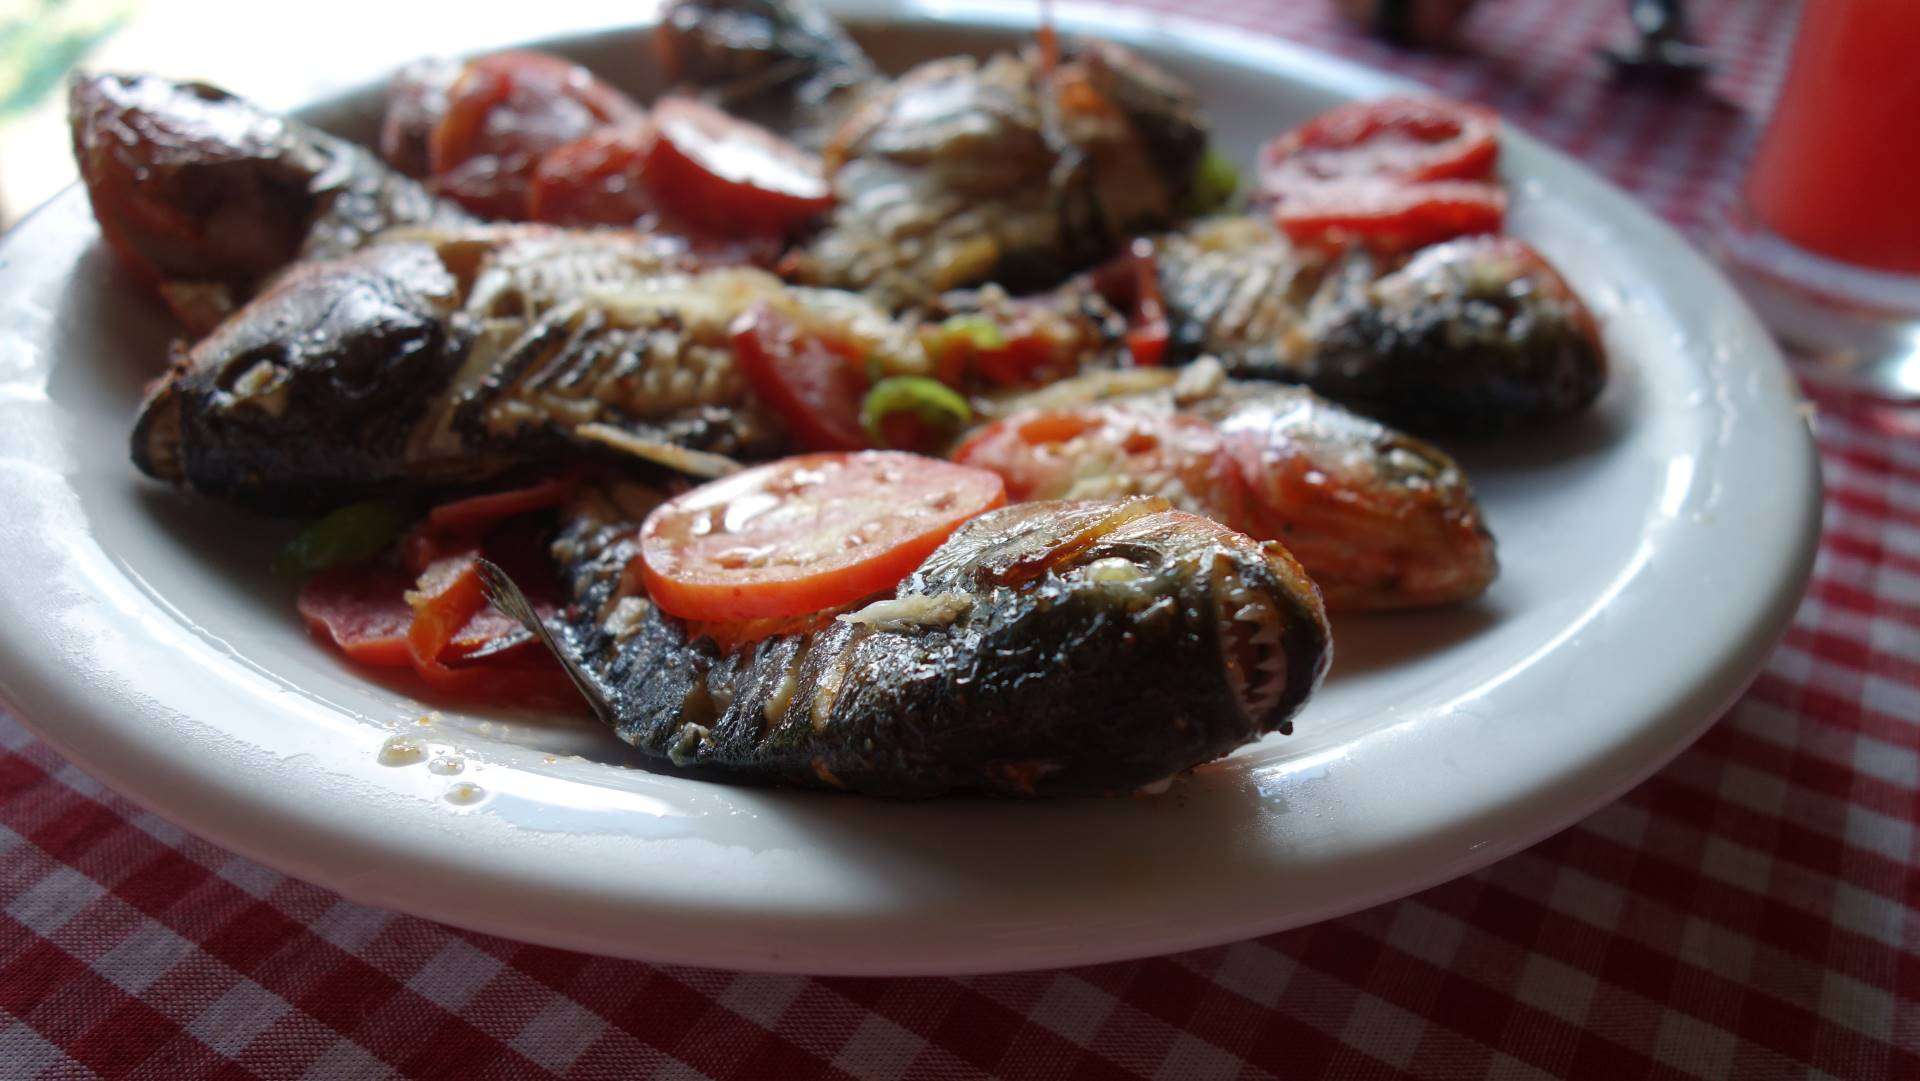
(1015, 169)
(1044, 649)
(1380, 520)
(207, 196)
(433, 357)
(1472, 336)
(784, 64)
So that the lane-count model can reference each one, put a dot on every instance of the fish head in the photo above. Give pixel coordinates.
(189, 182)
(1157, 610)
(309, 395)
(1471, 336)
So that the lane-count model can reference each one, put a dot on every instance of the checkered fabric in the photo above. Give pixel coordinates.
(1749, 912)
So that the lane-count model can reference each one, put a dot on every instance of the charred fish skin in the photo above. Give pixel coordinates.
(784, 64)
(309, 398)
(964, 171)
(1474, 336)
(434, 357)
(1470, 337)
(210, 195)
(1045, 649)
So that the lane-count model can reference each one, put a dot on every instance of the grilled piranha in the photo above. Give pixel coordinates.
(964, 171)
(207, 195)
(1044, 649)
(434, 357)
(1471, 336)
(784, 64)
(1380, 520)
(1018, 169)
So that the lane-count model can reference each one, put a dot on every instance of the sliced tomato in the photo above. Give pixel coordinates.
(1409, 139)
(361, 610)
(503, 115)
(813, 387)
(805, 534)
(724, 175)
(597, 179)
(1390, 216)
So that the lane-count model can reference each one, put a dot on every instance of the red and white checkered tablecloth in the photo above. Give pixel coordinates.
(1749, 912)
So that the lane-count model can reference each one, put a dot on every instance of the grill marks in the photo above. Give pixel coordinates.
(1099, 649)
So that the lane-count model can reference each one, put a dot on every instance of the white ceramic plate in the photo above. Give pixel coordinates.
(1652, 553)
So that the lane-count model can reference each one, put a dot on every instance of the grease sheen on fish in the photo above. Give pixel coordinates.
(210, 195)
(433, 356)
(1044, 649)
(1472, 336)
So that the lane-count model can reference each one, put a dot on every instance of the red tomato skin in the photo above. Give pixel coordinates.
(504, 114)
(814, 389)
(687, 584)
(597, 179)
(1409, 139)
(362, 611)
(1388, 216)
(698, 146)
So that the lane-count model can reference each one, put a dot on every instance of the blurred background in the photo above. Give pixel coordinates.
(295, 51)
(291, 52)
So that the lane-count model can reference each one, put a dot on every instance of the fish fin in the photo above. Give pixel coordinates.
(507, 597)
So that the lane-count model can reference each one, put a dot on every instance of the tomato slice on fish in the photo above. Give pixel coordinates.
(504, 114)
(814, 388)
(730, 177)
(805, 534)
(1406, 139)
(1391, 216)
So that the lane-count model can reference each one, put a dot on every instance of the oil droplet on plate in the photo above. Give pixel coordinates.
(402, 751)
(447, 765)
(465, 794)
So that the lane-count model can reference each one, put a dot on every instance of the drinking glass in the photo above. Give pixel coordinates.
(1825, 238)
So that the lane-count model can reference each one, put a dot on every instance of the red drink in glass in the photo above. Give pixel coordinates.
(1826, 237)
(1838, 171)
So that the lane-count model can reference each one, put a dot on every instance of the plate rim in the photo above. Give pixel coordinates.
(134, 760)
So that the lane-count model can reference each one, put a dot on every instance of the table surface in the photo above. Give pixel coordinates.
(1748, 912)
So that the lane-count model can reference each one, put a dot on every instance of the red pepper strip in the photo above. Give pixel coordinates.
(484, 510)
(1147, 338)
(361, 610)
(518, 547)
(452, 528)
(446, 597)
